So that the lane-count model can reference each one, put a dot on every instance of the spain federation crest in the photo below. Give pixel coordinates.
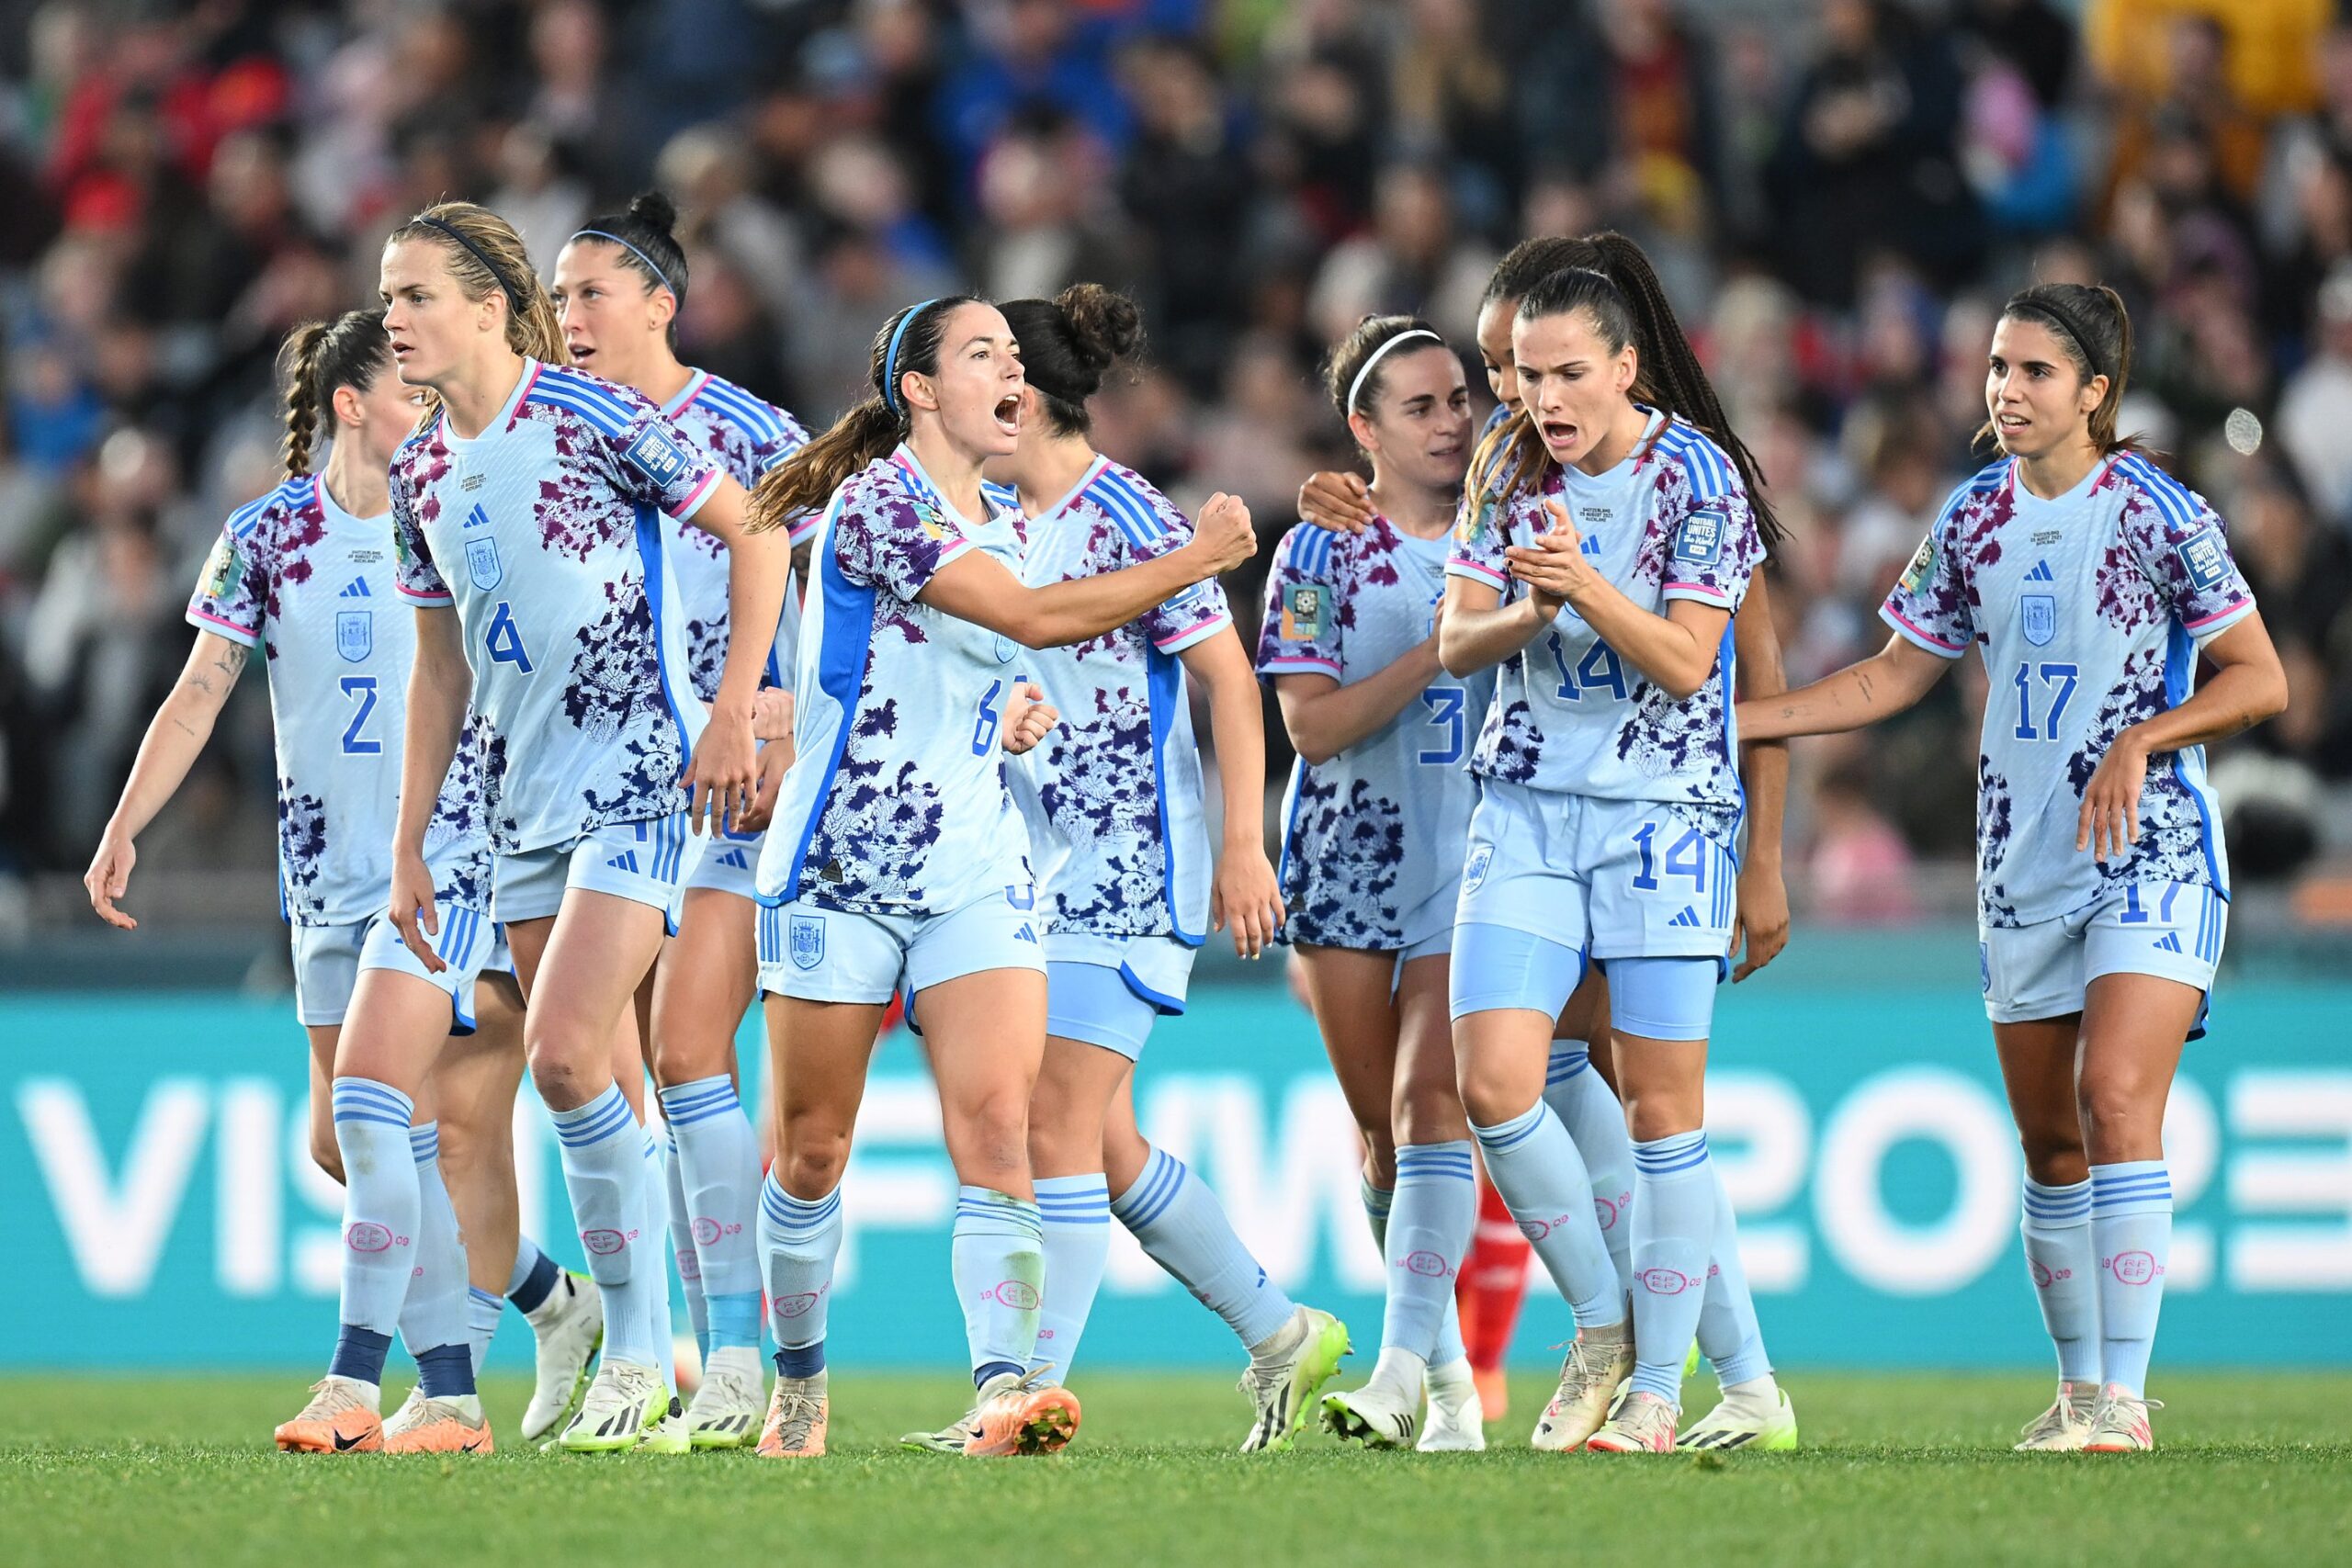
(807, 942)
(2041, 613)
(354, 634)
(482, 564)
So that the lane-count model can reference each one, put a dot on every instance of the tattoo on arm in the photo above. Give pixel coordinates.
(233, 659)
(1862, 681)
(202, 682)
(185, 729)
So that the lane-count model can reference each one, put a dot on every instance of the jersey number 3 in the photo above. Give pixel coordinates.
(505, 640)
(1447, 707)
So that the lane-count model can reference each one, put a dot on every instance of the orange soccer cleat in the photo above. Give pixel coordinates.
(1015, 1417)
(338, 1420)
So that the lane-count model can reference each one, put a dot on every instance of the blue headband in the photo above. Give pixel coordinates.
(890, 359)
(661, 277)
(513, 300)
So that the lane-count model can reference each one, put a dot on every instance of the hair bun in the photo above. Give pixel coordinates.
(1105, 326)
(655, 210)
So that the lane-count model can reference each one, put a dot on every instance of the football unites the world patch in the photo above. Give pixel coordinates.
(656, 455)
(1306, 608)
(1701, 540)
(2202, 557)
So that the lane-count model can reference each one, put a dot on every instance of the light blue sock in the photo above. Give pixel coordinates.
(605, 1174)
(716, 1162)
(655, 1196)
(434, 1312)
(482, 1312)
(997, 1258)
(1729, 1336)
(1674, 1230)
(682, 1249)
(2064, 1265)
(1535, 1165)
(2131, 1231)
(1589, 1109)
(380, 1218)
(1175, 1217)
(799, 1241)
(1076, 1214)
(1435, 1209)
(1377, 1205)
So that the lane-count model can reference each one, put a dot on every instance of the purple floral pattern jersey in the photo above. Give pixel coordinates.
(311, 586)
(896, 801)
(1113, 795)
(1371, 835)
(2088, 611)
(745, 437)
(547, 532)
(1671, 521)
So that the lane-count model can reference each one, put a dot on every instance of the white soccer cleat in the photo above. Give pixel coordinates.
(1457, 1420)
(1281, 1390)
(569, 1329)
(667, 1435)
(948, 1439)
(2062, 1428)
(1732, 1425)
(1597, 1361)
(1378, 1416)
(726, 1411)
(1643, 1424)
(2119, 1422)
(624, 1404)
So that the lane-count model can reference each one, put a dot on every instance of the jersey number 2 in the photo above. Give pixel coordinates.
(505, 640)
(361, 688)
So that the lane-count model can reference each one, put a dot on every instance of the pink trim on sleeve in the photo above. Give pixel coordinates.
(1299, 664)
(1928, 640)
(229, 630)
(1705, 590)
(2221, 615)
(411, 594)
(1457, 566)
(701, 494)
(1194, 633)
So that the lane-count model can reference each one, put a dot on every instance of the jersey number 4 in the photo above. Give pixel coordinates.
(362, 690)
(505, 640)
(2061, 680)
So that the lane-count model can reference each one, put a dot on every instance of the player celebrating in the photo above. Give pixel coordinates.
(1603, 572)
(1120, 841)
(898, 858)
(1379, 807)
(619, 284)
(531, 503)
(2091, 583)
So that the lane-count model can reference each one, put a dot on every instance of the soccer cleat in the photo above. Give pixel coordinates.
(1596, 1361)
(1283, 1390)
(568, 1339)
(423, 1426)
(1643, 1425)
(622, 1406)
(340, 1419)
(725, 1409)
(1726, 1428)
(1015, 1415)
(2062, 1428)
(2119, 1422)
(1377, 1416)
(668, 1434)
(951, 1438)
(796, 1422)
(1456, 1424)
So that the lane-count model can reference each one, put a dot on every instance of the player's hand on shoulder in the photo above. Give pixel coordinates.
(1338, 502)
(110, 877)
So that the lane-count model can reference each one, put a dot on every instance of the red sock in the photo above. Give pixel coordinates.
(1493, 1281)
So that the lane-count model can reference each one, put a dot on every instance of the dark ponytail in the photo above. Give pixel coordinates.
(1358, 365)
(1619, 289)
(1069, 342)
(1529, 262)
(805, 482)
(319, 357)
(646, 244)
(2094, 332)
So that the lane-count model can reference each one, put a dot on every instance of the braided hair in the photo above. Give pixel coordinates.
(319, 357)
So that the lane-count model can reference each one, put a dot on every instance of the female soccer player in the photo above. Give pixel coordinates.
(1603, 572)
(1580, 1080)
(531, 504)
(297, 572)
(2091, 583)
(1120, 844)
(898, 860)
(619, 284)
(1378, 809)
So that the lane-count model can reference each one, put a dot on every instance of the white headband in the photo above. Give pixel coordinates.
(1356, 386)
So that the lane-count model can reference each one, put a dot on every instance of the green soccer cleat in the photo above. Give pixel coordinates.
(1730, 1424)
(624, 1404)
(1282, 1388)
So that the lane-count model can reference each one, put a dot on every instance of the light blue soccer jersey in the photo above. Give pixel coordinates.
(1671, 521)
(547, 532)
(2088, 611)
(745, 437)
(1371, 835)
(1120, 839)
(313, 586)
(895, 803)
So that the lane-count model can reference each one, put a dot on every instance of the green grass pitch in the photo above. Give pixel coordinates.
(1914, 1470)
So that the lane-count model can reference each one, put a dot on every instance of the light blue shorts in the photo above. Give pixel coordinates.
(1496, 967)
(729, 862)
(2173, 929)
(1094, 1002)
(1429, 926)
(834, 955)
(1608, 878)
(645, 863)
(326, 967)
(468, 942)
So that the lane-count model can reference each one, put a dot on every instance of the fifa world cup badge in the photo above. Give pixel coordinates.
(1922, 567)
(1303, 606)
(221, 571)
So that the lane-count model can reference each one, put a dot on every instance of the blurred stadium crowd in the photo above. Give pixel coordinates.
(1838, 191)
